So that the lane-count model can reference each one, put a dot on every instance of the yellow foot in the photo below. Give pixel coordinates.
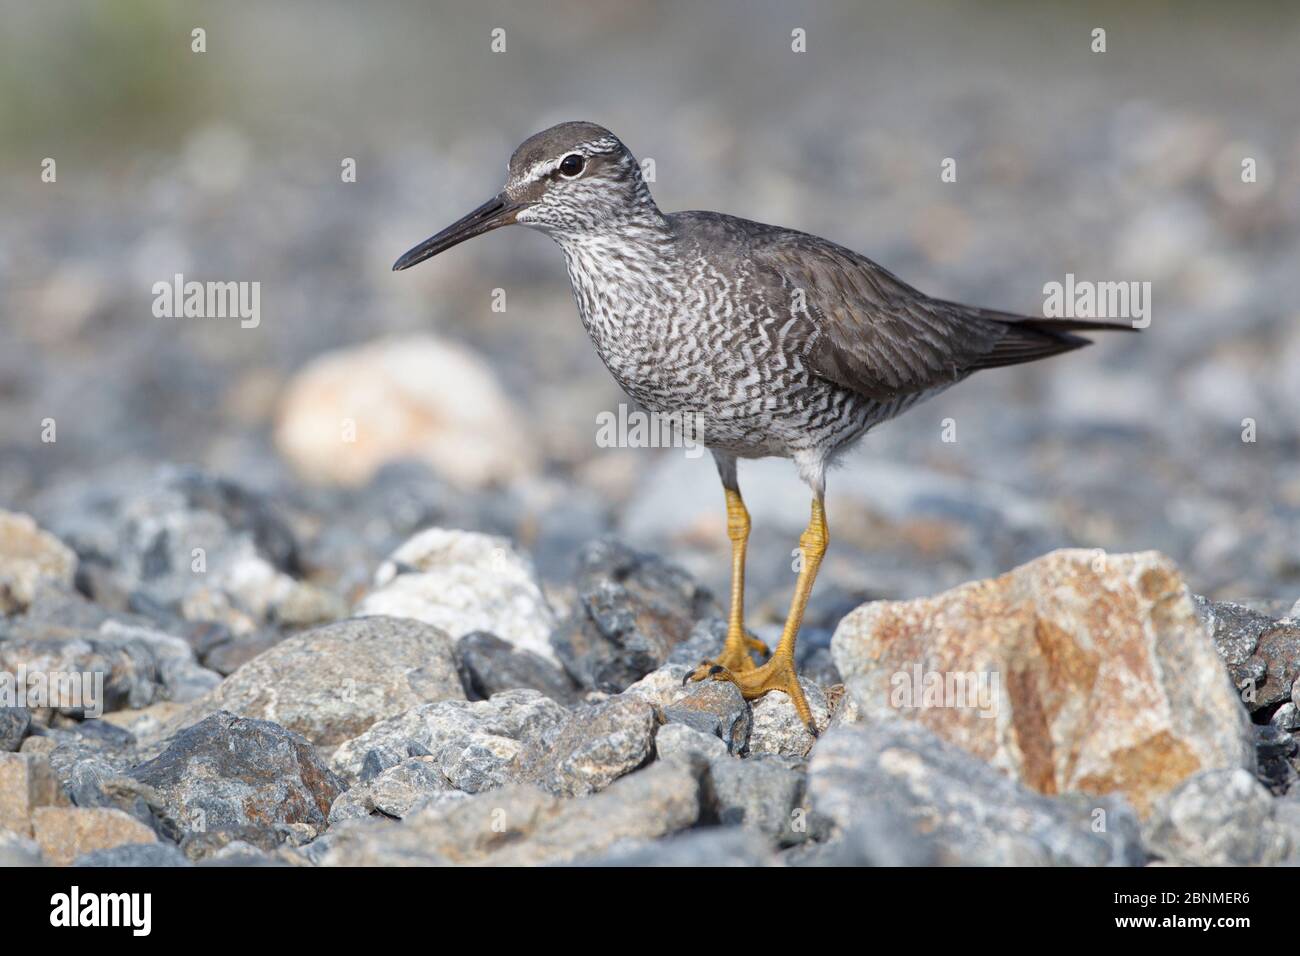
(777, 674)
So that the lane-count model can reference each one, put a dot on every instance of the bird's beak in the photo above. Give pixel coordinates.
(498, 211)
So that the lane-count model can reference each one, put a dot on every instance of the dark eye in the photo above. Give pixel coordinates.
(572, 164)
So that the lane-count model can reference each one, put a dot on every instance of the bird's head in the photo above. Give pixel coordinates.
(569, 180)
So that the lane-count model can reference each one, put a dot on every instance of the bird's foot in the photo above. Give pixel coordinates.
(777, 674)
(734, 657)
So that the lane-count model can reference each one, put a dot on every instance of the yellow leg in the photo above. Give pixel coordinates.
(778, 673)
(736, 650)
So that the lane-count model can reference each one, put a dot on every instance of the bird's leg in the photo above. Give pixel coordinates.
(736, 650)
(778, 673)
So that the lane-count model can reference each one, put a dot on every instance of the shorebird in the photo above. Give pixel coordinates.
(775, 342)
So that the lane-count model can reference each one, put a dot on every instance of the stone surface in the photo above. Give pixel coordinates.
(228, 771)
(333, 682)
(29, 558)
(708, 847)
(477, 744)
(1101, 678)
(14, 722)
(1262, 654)
(65, 833)
(463, 581)
(971, 814)
(489, 665)
(27, 782)
(777, 727)
(134, 854)
(631, 610)
(523, 826)
(18, 850)
(598, 744)
(761, 792)
(395, 791)
(715, 707)
(349, 412)
(1219, 818)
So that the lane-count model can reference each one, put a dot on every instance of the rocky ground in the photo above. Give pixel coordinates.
(456, 709)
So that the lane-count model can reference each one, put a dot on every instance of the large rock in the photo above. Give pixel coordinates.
(477, 745)
(1219, 818)
(332, 683)
(349, 412)
(1077, 671)
(30, 558)
(463, 581)
(598, 744)
(65, 833)
(972, 814)
(229, 772)
(523, 826)
(632, 610)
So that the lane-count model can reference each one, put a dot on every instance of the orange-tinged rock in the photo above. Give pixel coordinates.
(1078, 671)
(65, 833)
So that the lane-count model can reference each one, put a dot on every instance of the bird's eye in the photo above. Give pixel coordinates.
(572, 164)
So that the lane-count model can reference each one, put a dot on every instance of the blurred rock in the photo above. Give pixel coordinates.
(715, 707)
(1218, 818)
(333, 682)
(972, 814)
(134, 854)
(14, 722)
(18, 850)
(761, 792)
(30, 557)
(65, 833)
(522, 826)
(597, 745)
(632, 609)
(462, 581)
(1098, 674)
(351, 411)
(477, 744)
(228, 771)
(711, 847)
(26, 783)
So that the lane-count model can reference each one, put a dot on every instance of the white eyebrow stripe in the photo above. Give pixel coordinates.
(547, 166)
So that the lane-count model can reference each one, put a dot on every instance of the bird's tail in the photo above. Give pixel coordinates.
(1028, 338)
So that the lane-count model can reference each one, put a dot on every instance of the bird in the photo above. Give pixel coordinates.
(773, 342)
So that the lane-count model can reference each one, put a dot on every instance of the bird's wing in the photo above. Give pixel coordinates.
(872, 333)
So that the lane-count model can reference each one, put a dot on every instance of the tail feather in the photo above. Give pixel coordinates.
(1028, 338)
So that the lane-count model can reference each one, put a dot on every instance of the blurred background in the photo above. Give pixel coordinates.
(226, 165)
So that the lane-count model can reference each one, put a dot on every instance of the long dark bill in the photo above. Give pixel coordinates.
(496, 212)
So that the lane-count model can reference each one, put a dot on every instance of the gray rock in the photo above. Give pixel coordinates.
(1218, 818)
(520, 825)
(972, 814)
(1286, 717)
(334, 682)
(14, 722)
(124, 670)
(1262, 654)
(598, 744)
(477, 744)
(489, 665)
(134, 854)
(228, 771)
(715, 707)
(706, 847)
(395, 791)
(631, 610)
(19, 850)
(685, 744)
(777, 727)
(182, 678)
(762, 792)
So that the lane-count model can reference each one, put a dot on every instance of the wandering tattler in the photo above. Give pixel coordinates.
(774, 342)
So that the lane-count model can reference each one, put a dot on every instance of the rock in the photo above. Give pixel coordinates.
(30, 558)
(1218, 817)
(463, 581)
(84, 675)
(777, 726)
(65, 833)
(14, 722)
(134, 854)
(762, 793)
(599, 743)
(92, 776)
(971, 814)
(182, 678)
(26, 783)
(711, 847)
(18, 850)
(477, 745)
(1286, 717)
(715, 707)
(333, 683)
(685, 744)
(489, 665)
(1263, 655)
(228, 771)
(351, 411)
(1077, 671)
(395, 791)
(632, 609)
(522, 826)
